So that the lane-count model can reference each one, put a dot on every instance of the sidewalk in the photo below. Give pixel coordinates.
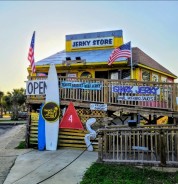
(32, 166)
(36, 166)
(8, 155)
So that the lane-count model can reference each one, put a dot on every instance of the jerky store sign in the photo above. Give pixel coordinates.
(136, 89)
(81, 85)
(36, 87)
(97, 42)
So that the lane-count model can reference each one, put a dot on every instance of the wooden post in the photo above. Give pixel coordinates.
(162, 149)
(106, 143)
(174, 94)
(106, 91)
(100, 147)
(176, 144)
(138, 119)
(154, 119)
(149, 121)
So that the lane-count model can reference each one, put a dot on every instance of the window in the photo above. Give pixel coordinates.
(86, 75)
(155, 77)
(145, 75)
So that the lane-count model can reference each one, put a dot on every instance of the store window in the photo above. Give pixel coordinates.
(155, 77)
(86, 75)
(163, 79)
(125, 74)
(145, 75)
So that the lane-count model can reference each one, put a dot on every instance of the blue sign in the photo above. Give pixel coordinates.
(136, 89)
(81, 85)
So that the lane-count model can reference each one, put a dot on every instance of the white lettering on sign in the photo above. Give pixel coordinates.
(36, 87)
(99, 107)
(70, 118)
(95, 42)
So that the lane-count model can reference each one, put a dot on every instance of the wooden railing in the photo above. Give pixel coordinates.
(148, 145)
(118, 92)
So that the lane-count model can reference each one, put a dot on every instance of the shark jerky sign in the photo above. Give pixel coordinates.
(36, 87)
(95, 42)
(137, 89)
(148, 92)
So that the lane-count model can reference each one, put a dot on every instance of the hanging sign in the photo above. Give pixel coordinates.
(81, 85)
(99, 107)
(36, 87)
(50, 112)
(136, 89)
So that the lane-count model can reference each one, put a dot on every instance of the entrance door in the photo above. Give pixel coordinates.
(101, 74)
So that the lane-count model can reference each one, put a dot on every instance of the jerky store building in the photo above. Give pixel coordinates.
(102, 90)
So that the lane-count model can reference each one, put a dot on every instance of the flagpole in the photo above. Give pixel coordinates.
(131, 64)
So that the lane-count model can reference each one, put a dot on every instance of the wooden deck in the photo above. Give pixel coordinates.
(128, 96)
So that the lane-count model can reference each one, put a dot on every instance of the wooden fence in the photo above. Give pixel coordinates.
(117, 92)
(143, 145)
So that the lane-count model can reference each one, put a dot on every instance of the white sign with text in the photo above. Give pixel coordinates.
(36, 87)
(99, 107)
(93, 42)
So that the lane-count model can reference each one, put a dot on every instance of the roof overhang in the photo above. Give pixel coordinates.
(158, 71)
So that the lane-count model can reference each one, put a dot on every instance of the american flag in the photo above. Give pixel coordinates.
(122, 51)
(31, 54)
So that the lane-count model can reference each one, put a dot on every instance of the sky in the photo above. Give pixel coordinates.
(150, 25)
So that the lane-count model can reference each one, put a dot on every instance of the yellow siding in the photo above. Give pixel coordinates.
(118, 42)
(68, 46)
(92, 71)
(137, 73)
(156, 71)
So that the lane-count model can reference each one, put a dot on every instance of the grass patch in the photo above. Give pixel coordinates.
(22, 145)
(100, 173)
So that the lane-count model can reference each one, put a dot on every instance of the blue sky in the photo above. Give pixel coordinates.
(150, 25)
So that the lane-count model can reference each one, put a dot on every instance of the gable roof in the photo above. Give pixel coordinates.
(139, 57)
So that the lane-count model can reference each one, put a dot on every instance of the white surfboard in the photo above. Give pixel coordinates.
(52, 95)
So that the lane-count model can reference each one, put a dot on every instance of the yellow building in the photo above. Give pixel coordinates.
(85, 61)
